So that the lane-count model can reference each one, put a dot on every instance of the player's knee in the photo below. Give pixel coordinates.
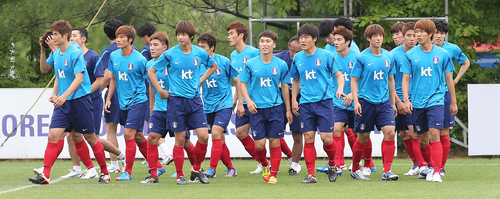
(91, 139)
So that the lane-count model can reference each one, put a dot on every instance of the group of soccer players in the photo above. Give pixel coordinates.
(335, 90)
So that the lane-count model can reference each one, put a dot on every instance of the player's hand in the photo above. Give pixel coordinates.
(52, 98)
(401, 108)
(240, 110)
(164, 94)
(295, 107)
(395, 110)
(41, 42)
(51, 43)
(234, 104)
(455, 81)
(453, 109)
(347, 100)
(408, 107)
(289, 117)
(339, 94)
(107, 106)
(59, 101)
(357, 109)
(252, 107)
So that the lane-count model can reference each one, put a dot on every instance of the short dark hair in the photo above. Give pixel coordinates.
(146, 29)
(347, 34)
(325, 28)
(83, 33)
(397, 27)
(343, 21)
(209, 38)
(441, 26)
(374, 29)
(408, 26)
(163, 37)
(128, 31)
(309, 29)
(63, 27)
(294, 38)
(270, 34)
(110, 28)
(241, 28)
(185, 27)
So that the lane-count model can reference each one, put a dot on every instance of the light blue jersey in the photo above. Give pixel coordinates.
(399, 56)
(130, 74)
(428, 71)
(455, 54)
(316, 73)
(373, 73)
(238, 60)
(263, 81)
(184, 69)
(353, 47)
(160, 104)
(346, 64)
(66, 66)
(217, 90)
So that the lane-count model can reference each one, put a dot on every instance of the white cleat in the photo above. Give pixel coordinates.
(429, 176)
(344, 168)
(367, 171)
(258, 170)
(112, 169)
(38, 171)
(167, 160)
(413, 171)
(91, 173)
(72, 173)
(436, 177)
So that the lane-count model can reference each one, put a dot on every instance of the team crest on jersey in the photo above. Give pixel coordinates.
(165, 72)
(363, 126)
(130, 66)
(418, 128)
(245, 60)
(350, 65)
(217, 72)
(435, 60)
(318, 62)
(195, 61)
(174, 124)
(274, 71)
(386, 63)
(150, 125)
(302, 125)
(66, 61)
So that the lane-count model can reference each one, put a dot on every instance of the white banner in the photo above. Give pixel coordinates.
(483, 109)
(30, 139)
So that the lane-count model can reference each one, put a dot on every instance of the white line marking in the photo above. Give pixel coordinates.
(25, 187)
(460, 164)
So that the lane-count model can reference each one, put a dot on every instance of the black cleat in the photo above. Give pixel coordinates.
(150, 179)
(201, 176)
(292, 172)
(181, 180)
(332, 173)
(309, 179)
(40, 179)
(104, 179)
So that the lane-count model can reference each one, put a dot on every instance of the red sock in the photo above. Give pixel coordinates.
(216, 153)
(130, 150)
(200, 151)
(339, 160)
(83, 152)
(310, 157)
(100, 157)
(249, 145)
(49, 158)
(275, 160)
(351, 138)
(178, 154)
(437, 155)
(367, 154)
(418, 153)
(60, 146)
(285, 149)
(330, 151)
(388, 152)
(341, 152)
(261, 155)
(409, 149)
(426, 154)
(445, 142)
(152, 159)
(143, 148)
(226, 157)
(357, 152)
(191, 154)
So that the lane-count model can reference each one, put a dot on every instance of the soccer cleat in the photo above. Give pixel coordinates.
(199, 174)
(323, 168)
(40, 179)
(373, 169)
(124, 176)
(441, 172)
(367, 171)
(292, 172)
(309, 179)
(160, 172)
(272, 180)
(343, 167)
(121, 159)
(290, 160)
(360, 165)
(91, 173)
(72, 173)
(266, 173)
(428, 177)
(436, 177)
(258, 170)
(150, 179)
(339, 171)
(103, 179)
(181, 180)
(193, 178)
(230, 173)
(358, 175)
(210, 173)
(422, 172)
(38, 171)
(174, 175)
(413, 171)
(112, 169)
(167, 160)
(332, 173)
(387, 176)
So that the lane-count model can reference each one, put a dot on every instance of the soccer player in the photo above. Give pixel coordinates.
(313, 73)
(145, 31)
(397, 33)
(430, 68)
(287, 56)
(263, 75)
(71, 98)
(184, 63)
(327, 27)
(404, 122)
(237, 35)
(374, 104)
(128, 73)
(218, 104)
(459, 57)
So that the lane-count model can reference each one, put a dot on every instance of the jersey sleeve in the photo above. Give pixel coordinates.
(206, 59)
(245, 74)
(357, 69)
(144, 69)
(285, 78)
(461, 58)
(104, 60)
(294, 73)
(110, 65)
(78, 62)
(232, 72)
(162, 62)
(406, 67)
(145, 52)
(50, 59)
(335, 67)
(392, 69)
(98, 70)
(448, 64)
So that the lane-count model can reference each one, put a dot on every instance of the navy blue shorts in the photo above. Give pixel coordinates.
(220, 118)
(344, 115)
(158, 123)
(245, 119)
(148, 113)
(267, 122)
(449, 120)
(295, 126)
(374, 114)
(114, 116)
(133, 118)
(74, 114)
(425, 118)
(97, 103)
(185, 113)
(317, 115)
(403, 121)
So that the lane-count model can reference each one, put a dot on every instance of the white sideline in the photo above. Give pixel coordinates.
(28, 186)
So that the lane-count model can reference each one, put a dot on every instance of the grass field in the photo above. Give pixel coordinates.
(465, 178)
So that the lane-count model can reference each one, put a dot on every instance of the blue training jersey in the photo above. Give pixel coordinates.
(184, 69)
(455, 54)
(91, 59)
(238, 60)
(217, 91)
(373, 73)
(160, 104)
(66, 66)
(146, 52)
(130, 74)
(399, 56)
(316, 74)
(428, 71)
(263, 81)
(346, 64)
(354, 47)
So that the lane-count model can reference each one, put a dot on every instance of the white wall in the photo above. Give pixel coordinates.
(484, 106)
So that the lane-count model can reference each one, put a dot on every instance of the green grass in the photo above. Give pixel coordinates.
(472, 178)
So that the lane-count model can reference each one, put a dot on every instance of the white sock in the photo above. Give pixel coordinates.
(294, 165)
(114, 164)
(121, 156)
(77, 168)
(164, 149)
